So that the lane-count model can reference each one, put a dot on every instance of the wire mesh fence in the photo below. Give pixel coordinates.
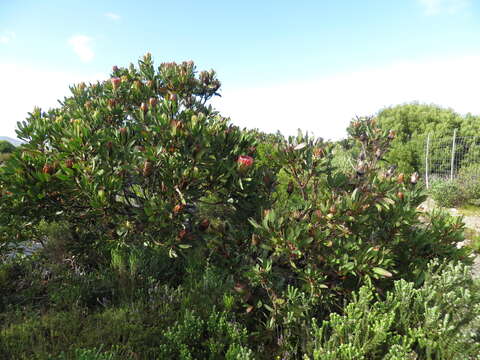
(445, 158)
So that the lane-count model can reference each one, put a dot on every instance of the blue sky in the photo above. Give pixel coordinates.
(283, 64)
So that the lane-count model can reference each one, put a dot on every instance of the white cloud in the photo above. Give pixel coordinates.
(326, 105)
(24, 87)
(82, 46)
(6, 37)
(435, 7)
(112, 16)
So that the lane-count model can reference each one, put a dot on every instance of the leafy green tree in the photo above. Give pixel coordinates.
(6, 147)
(412, 123)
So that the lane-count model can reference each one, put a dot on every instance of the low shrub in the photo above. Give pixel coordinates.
(440, 320)
(448, 193)
(187, 322)
(465, 188)
(94, 354)
(469, 179)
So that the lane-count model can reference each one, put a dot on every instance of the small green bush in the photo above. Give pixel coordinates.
(447, 193)
(6, 147)
(469, 179)
(465, 188)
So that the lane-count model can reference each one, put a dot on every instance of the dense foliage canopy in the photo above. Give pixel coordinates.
(414, 122)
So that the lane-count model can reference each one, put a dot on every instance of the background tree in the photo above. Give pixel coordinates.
(6, 147)
(412, 123)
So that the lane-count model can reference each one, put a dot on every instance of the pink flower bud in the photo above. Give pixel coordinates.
(116, 82)
(244, 161)
(115, 68)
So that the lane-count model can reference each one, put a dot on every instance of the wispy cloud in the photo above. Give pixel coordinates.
(435, 7)
(113, 16)
(6, 37)
(326, 105)
(82, 46)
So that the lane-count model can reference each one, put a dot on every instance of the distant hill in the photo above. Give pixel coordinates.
(11, 140)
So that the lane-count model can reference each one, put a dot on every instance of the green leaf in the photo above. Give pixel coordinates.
(62, 177)
(269, 308)
(300, 146)
(382, 272)
(254, 223)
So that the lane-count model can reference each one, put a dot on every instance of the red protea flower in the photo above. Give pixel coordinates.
(400, 178)
(244, 162)
(178, 208)
(116, 82)
(153, 102)
(319, 153)
(48, 169)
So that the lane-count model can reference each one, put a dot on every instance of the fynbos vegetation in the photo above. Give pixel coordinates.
(166, 232)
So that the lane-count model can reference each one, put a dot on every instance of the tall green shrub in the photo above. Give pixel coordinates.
(130, 160)
(329, 232)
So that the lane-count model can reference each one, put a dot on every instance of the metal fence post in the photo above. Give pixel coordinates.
(426, 159)
(453, 154)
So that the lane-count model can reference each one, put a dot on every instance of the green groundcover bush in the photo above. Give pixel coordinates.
(410, 323)
(166, 232)
(463, 189)
(448, 193)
